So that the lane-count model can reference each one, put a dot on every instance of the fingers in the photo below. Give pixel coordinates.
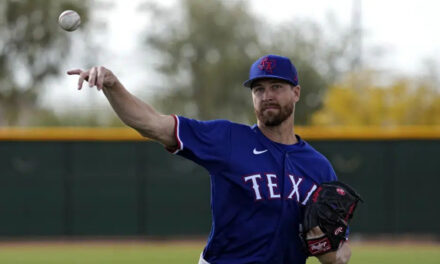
(92, 77)
(100, 79)
(74, 72)
(82, 77)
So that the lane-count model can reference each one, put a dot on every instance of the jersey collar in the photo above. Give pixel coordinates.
(282, 147)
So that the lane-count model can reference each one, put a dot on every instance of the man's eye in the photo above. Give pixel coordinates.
(276, 86)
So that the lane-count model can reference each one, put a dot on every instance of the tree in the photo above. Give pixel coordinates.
(205, 57)
(206, 52)
(320, 59)
(32, 46)
(403, 102)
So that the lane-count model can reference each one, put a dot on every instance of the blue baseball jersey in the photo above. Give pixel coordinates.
(258, 190)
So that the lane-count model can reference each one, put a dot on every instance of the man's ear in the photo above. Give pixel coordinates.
(297, 92)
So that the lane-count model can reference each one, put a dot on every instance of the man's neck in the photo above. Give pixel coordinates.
(283, 133)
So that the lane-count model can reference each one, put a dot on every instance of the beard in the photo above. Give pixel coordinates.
(272, 119)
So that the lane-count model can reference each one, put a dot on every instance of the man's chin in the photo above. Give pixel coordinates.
(272, 121)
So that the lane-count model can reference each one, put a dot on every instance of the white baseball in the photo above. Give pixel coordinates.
(69, 20)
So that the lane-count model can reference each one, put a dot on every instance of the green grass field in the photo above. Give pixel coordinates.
(185, 253)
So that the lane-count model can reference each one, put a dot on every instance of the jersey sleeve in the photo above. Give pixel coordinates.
(326, 173)
(205, 142)
(331, 175)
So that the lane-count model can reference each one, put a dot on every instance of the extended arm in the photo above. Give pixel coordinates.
(130, 109)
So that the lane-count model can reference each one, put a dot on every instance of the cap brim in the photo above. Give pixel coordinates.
(249, 82)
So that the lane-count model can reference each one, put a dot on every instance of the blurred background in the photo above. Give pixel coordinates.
(69, 169)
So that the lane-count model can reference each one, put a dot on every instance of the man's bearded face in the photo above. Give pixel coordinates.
(273, 114)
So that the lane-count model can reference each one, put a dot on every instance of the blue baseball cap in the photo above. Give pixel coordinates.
(273, 66)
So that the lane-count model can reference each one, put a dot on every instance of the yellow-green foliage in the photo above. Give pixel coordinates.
(359, 101)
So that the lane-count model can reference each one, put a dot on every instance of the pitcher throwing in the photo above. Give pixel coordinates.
(262, 176)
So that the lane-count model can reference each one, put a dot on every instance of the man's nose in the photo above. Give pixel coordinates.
(267, 95)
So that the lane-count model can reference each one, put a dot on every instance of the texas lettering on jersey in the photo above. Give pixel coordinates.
(269, 181)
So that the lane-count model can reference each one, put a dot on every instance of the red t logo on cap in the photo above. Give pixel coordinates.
(267, 64)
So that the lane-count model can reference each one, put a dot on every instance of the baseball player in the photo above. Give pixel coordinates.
(262, 176)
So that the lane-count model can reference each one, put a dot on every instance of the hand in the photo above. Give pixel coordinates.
(341, 256)
(99, 76)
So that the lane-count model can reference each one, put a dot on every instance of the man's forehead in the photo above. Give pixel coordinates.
(267, 80)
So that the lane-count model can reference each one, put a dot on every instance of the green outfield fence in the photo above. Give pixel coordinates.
(112, 182)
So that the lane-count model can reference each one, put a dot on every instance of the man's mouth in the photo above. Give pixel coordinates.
(268, 107)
